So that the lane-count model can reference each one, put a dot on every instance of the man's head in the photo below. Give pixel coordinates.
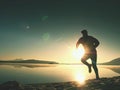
(84, 32)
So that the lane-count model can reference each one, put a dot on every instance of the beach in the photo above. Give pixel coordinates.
(105, 83)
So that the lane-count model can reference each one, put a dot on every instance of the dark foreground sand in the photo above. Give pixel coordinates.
(91, 84)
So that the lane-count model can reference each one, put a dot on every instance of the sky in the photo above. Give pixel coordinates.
(49, 29)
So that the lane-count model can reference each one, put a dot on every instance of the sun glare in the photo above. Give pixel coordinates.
(78, 53)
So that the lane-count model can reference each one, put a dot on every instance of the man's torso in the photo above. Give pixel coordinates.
(88, 44)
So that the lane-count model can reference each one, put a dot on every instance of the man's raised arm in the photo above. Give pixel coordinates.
(96, 43)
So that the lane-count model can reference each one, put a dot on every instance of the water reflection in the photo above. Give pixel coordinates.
(50, 73)
(80, 78)
(20, 65)
(115, 68)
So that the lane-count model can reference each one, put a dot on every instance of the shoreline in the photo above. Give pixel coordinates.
(105, 83)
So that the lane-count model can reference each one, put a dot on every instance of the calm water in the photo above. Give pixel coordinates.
(37, 73)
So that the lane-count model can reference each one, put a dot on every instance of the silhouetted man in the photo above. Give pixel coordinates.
(90, 44)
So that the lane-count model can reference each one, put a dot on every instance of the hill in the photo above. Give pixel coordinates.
(112, 62)
(28, 61)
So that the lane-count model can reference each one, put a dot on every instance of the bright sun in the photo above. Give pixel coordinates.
(78, 53)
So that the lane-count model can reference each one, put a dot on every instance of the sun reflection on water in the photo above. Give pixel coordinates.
(80, 78)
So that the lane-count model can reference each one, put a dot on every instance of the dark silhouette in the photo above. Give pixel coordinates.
(90, 44)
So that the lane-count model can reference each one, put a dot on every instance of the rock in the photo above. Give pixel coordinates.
(102, 83)
(49, 88)
(11, 85)
(72, 88)
(117, 81)
(29, 87)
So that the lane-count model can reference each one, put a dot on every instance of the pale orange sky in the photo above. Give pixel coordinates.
(61, 52)
(49, 29)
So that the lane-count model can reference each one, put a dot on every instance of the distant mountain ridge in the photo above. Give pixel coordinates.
(112, 62)
(28, 61)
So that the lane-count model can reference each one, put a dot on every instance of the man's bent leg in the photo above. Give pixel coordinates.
(84, 60)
